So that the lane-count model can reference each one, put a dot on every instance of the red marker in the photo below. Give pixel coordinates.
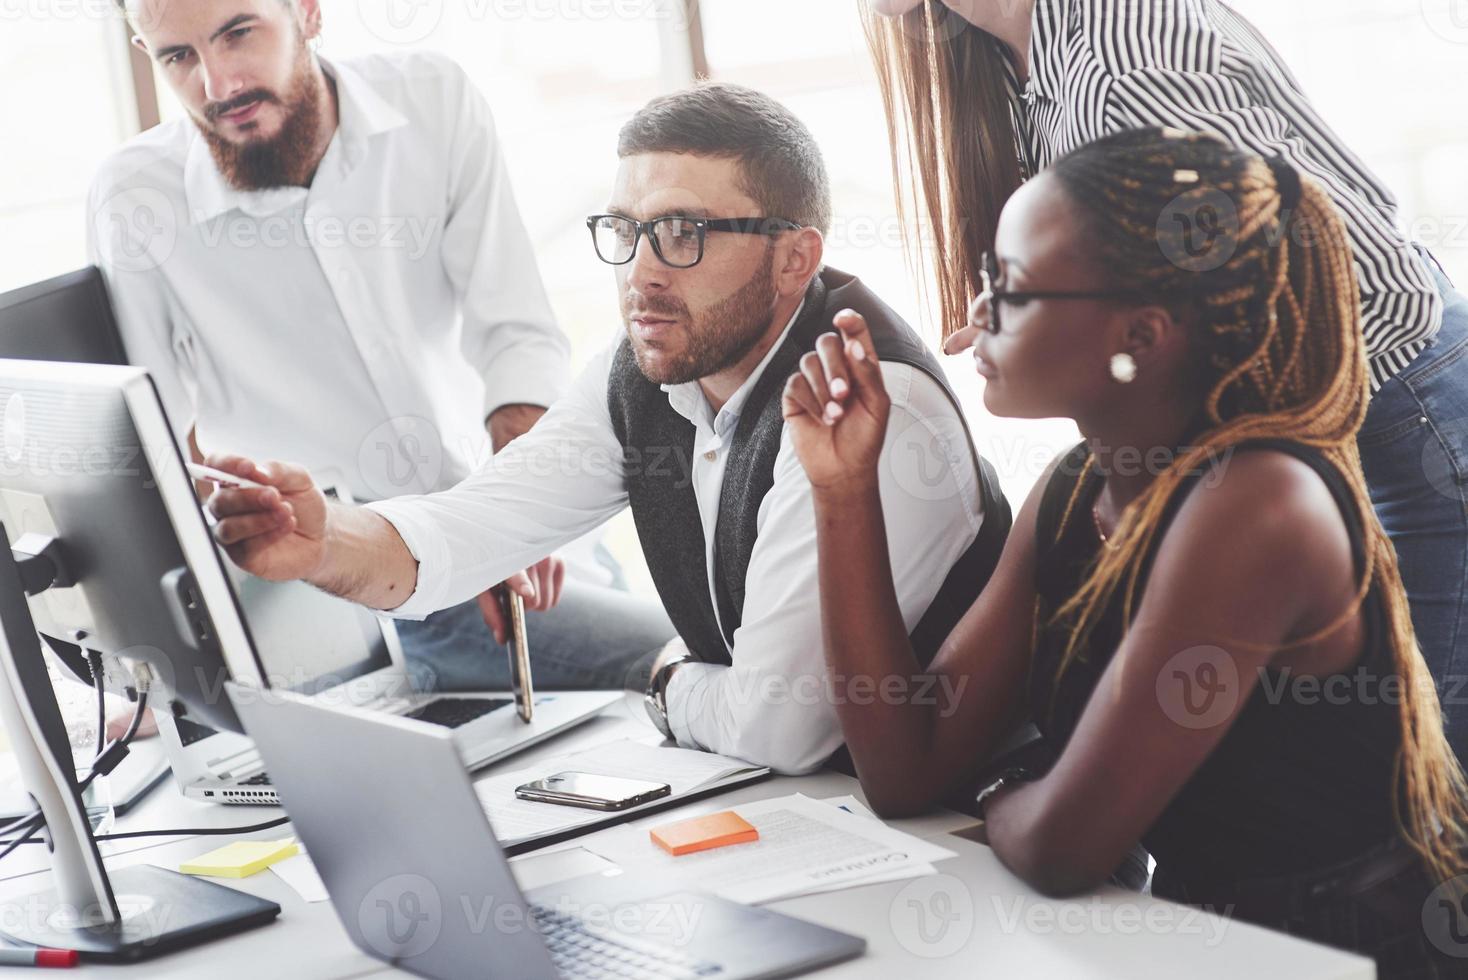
(38, 957)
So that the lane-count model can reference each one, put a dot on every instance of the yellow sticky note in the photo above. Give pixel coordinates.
(241, 859)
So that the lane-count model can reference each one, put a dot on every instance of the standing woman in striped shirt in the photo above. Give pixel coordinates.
(982, 94)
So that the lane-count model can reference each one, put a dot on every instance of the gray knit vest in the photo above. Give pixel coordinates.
(657, 447)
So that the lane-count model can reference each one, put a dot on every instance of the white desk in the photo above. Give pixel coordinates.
(975, 918)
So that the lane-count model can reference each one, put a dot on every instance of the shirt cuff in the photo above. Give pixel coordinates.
(529, 383)
(689, 686)
(428, 545)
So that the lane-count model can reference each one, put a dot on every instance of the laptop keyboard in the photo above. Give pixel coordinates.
(453, 712)
(578, 952)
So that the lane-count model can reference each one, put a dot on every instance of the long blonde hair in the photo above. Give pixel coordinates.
(1275, 316)
(944, 94)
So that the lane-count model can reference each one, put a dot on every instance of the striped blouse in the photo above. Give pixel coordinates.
(1101, 66)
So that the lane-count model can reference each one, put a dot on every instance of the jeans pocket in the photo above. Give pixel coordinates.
(1416, 432)
(1445, 457)
(1392, 412)
(1444, 399)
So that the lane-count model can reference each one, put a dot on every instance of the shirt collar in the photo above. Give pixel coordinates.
(1047, 27)
(362, 113)
(687, 399)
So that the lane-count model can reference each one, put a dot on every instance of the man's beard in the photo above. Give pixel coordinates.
(283, 160)
(719, 338)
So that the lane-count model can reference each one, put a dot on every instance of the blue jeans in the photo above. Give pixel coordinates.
(1414, 451)
(1382, 904)
(589, 641)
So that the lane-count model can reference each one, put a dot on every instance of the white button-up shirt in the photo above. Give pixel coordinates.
(365, 326)
(567, 475)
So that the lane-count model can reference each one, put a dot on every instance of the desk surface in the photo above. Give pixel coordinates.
(974, 915)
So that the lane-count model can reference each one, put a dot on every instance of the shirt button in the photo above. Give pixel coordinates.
(711, 455)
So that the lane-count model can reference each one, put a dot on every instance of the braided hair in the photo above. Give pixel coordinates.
(1255, 261)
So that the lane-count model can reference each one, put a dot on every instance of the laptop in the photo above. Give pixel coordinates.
(337, 651)
(419, 880)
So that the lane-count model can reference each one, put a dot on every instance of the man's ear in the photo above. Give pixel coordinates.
(803, 253)
(308, 13)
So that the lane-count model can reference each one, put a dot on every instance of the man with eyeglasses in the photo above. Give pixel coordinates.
(323, 259)
(716, 229)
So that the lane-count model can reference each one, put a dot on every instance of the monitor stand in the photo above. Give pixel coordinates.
(129, 914)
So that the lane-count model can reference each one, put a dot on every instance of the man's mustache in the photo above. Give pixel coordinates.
(654, 306)
(214, 110)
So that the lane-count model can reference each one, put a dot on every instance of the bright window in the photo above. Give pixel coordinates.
(67, 103)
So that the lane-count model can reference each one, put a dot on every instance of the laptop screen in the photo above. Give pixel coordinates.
(309, 641)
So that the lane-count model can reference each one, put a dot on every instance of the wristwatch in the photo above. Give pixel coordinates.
(656, 698)
(1008, 779)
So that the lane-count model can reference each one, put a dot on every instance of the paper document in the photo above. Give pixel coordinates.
(515, 820)
(540, 869)
(300, 874)
(805, 846)
(850, 804)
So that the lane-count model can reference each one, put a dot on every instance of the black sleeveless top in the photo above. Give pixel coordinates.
(1298, 782)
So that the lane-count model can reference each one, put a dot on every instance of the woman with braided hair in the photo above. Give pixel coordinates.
(980, 95)
(1197, 605)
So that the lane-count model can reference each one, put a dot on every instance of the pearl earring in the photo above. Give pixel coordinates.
(1123, 367)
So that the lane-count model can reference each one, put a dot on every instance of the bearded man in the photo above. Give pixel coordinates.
(324, 260)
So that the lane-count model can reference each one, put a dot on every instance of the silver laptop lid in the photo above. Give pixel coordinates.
(388, 815)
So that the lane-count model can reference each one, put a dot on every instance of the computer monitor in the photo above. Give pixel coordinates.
(87, 457)
(305, 640)
(106, 544)
(68, 318)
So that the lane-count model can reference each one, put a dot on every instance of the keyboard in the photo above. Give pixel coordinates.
(580, 952)
(453, 712)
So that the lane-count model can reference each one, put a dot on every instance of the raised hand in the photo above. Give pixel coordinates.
(836, 406)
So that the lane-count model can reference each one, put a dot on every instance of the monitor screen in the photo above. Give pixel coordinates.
(68, 318)
(87, 459)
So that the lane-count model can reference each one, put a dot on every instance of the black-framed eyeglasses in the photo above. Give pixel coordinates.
(989, 273)
(676, 239)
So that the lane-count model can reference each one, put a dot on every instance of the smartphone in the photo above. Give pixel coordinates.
(593, 792)
(520, 682)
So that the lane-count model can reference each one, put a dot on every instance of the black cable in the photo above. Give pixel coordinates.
(95, 660)
(137, 722)
(206, 831)
(180, 832)
(18, 821)
(30, 825)
(114, 753)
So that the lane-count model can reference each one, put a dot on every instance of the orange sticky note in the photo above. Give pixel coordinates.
(703, 833)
